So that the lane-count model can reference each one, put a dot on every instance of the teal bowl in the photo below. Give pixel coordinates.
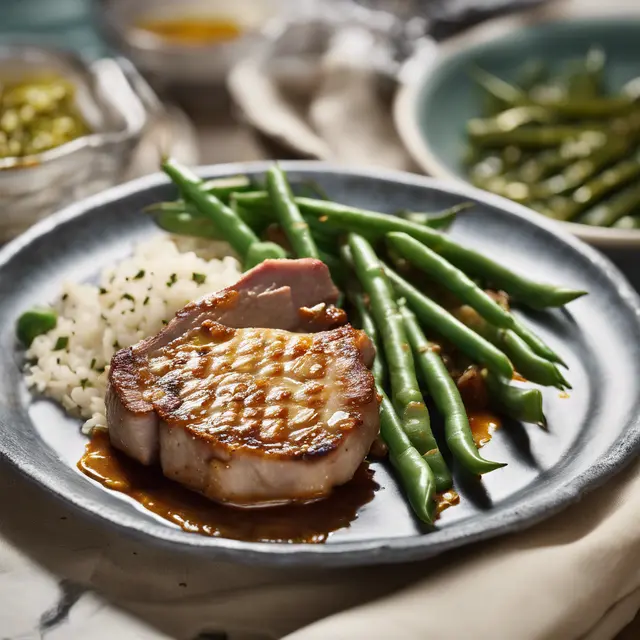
(438, 95)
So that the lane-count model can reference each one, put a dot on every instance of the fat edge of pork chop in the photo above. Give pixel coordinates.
(291, 426)
(270, 295)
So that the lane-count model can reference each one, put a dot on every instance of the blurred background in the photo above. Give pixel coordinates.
(95, 90)
(186, 49)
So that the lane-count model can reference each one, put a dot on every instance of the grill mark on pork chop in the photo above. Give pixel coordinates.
(262, 390)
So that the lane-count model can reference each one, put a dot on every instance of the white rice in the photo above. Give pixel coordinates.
(134, 299)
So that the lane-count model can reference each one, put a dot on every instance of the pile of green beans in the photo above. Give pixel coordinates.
(363, 250)
(562, 145)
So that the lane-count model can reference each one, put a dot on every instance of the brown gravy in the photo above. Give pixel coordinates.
(446, 499)
(311, 523)
(483, 425)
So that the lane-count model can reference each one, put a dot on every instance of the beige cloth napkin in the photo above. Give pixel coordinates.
(574, 576)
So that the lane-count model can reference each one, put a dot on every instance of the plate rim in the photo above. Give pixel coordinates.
(366, 552)
(415, 76)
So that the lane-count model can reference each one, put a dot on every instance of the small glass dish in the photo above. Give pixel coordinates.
(168, 63)
(115, 102)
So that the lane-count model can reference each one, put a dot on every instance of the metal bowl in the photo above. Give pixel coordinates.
(168, 64)
(116, 104)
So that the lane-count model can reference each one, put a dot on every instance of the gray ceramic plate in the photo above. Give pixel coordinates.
(591, 434)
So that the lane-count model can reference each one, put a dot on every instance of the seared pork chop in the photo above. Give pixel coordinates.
(259, 416)
(295, 295)
(249, 416)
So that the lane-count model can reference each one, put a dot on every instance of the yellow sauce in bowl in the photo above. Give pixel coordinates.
(191, 30)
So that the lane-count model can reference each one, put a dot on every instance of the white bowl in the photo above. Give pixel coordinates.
(174, 64)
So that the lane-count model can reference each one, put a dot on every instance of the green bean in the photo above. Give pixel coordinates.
(506, 93)
(326, 243)
(243, 240)
(547, 162)
(371, 224)
(533, 137)
(509, 120)
(416, 475)
(490, 167)
(435, 317)
(612, 179)
(500, 95)
(223, 188)
(577, 173)
(325, 231)
(536, 295)
(596, 108)
(34, 323)
(527, 363)
(502, 167)
(255, 201)
(462, 286)
(585, 79)
(492, 105)
(610, 211)
(447, 399)
(506, 187)
(628, 222)
(239, 235)
(552, 89)
(567, 108)
(183, 218)
(258, 220)
(442, 220)
(535, 343)
(289, 215)
(367, 324)
(405, 392)
(258, 202)
(448, 276)
(173, 218)
(515, 402)
(182, 223)
(512, 156)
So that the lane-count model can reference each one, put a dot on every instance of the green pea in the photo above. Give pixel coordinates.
(34, 323)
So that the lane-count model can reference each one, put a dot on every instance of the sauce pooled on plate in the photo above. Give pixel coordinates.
(483, 425)
(311, 523)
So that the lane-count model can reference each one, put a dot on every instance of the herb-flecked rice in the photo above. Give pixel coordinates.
(133, 300)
